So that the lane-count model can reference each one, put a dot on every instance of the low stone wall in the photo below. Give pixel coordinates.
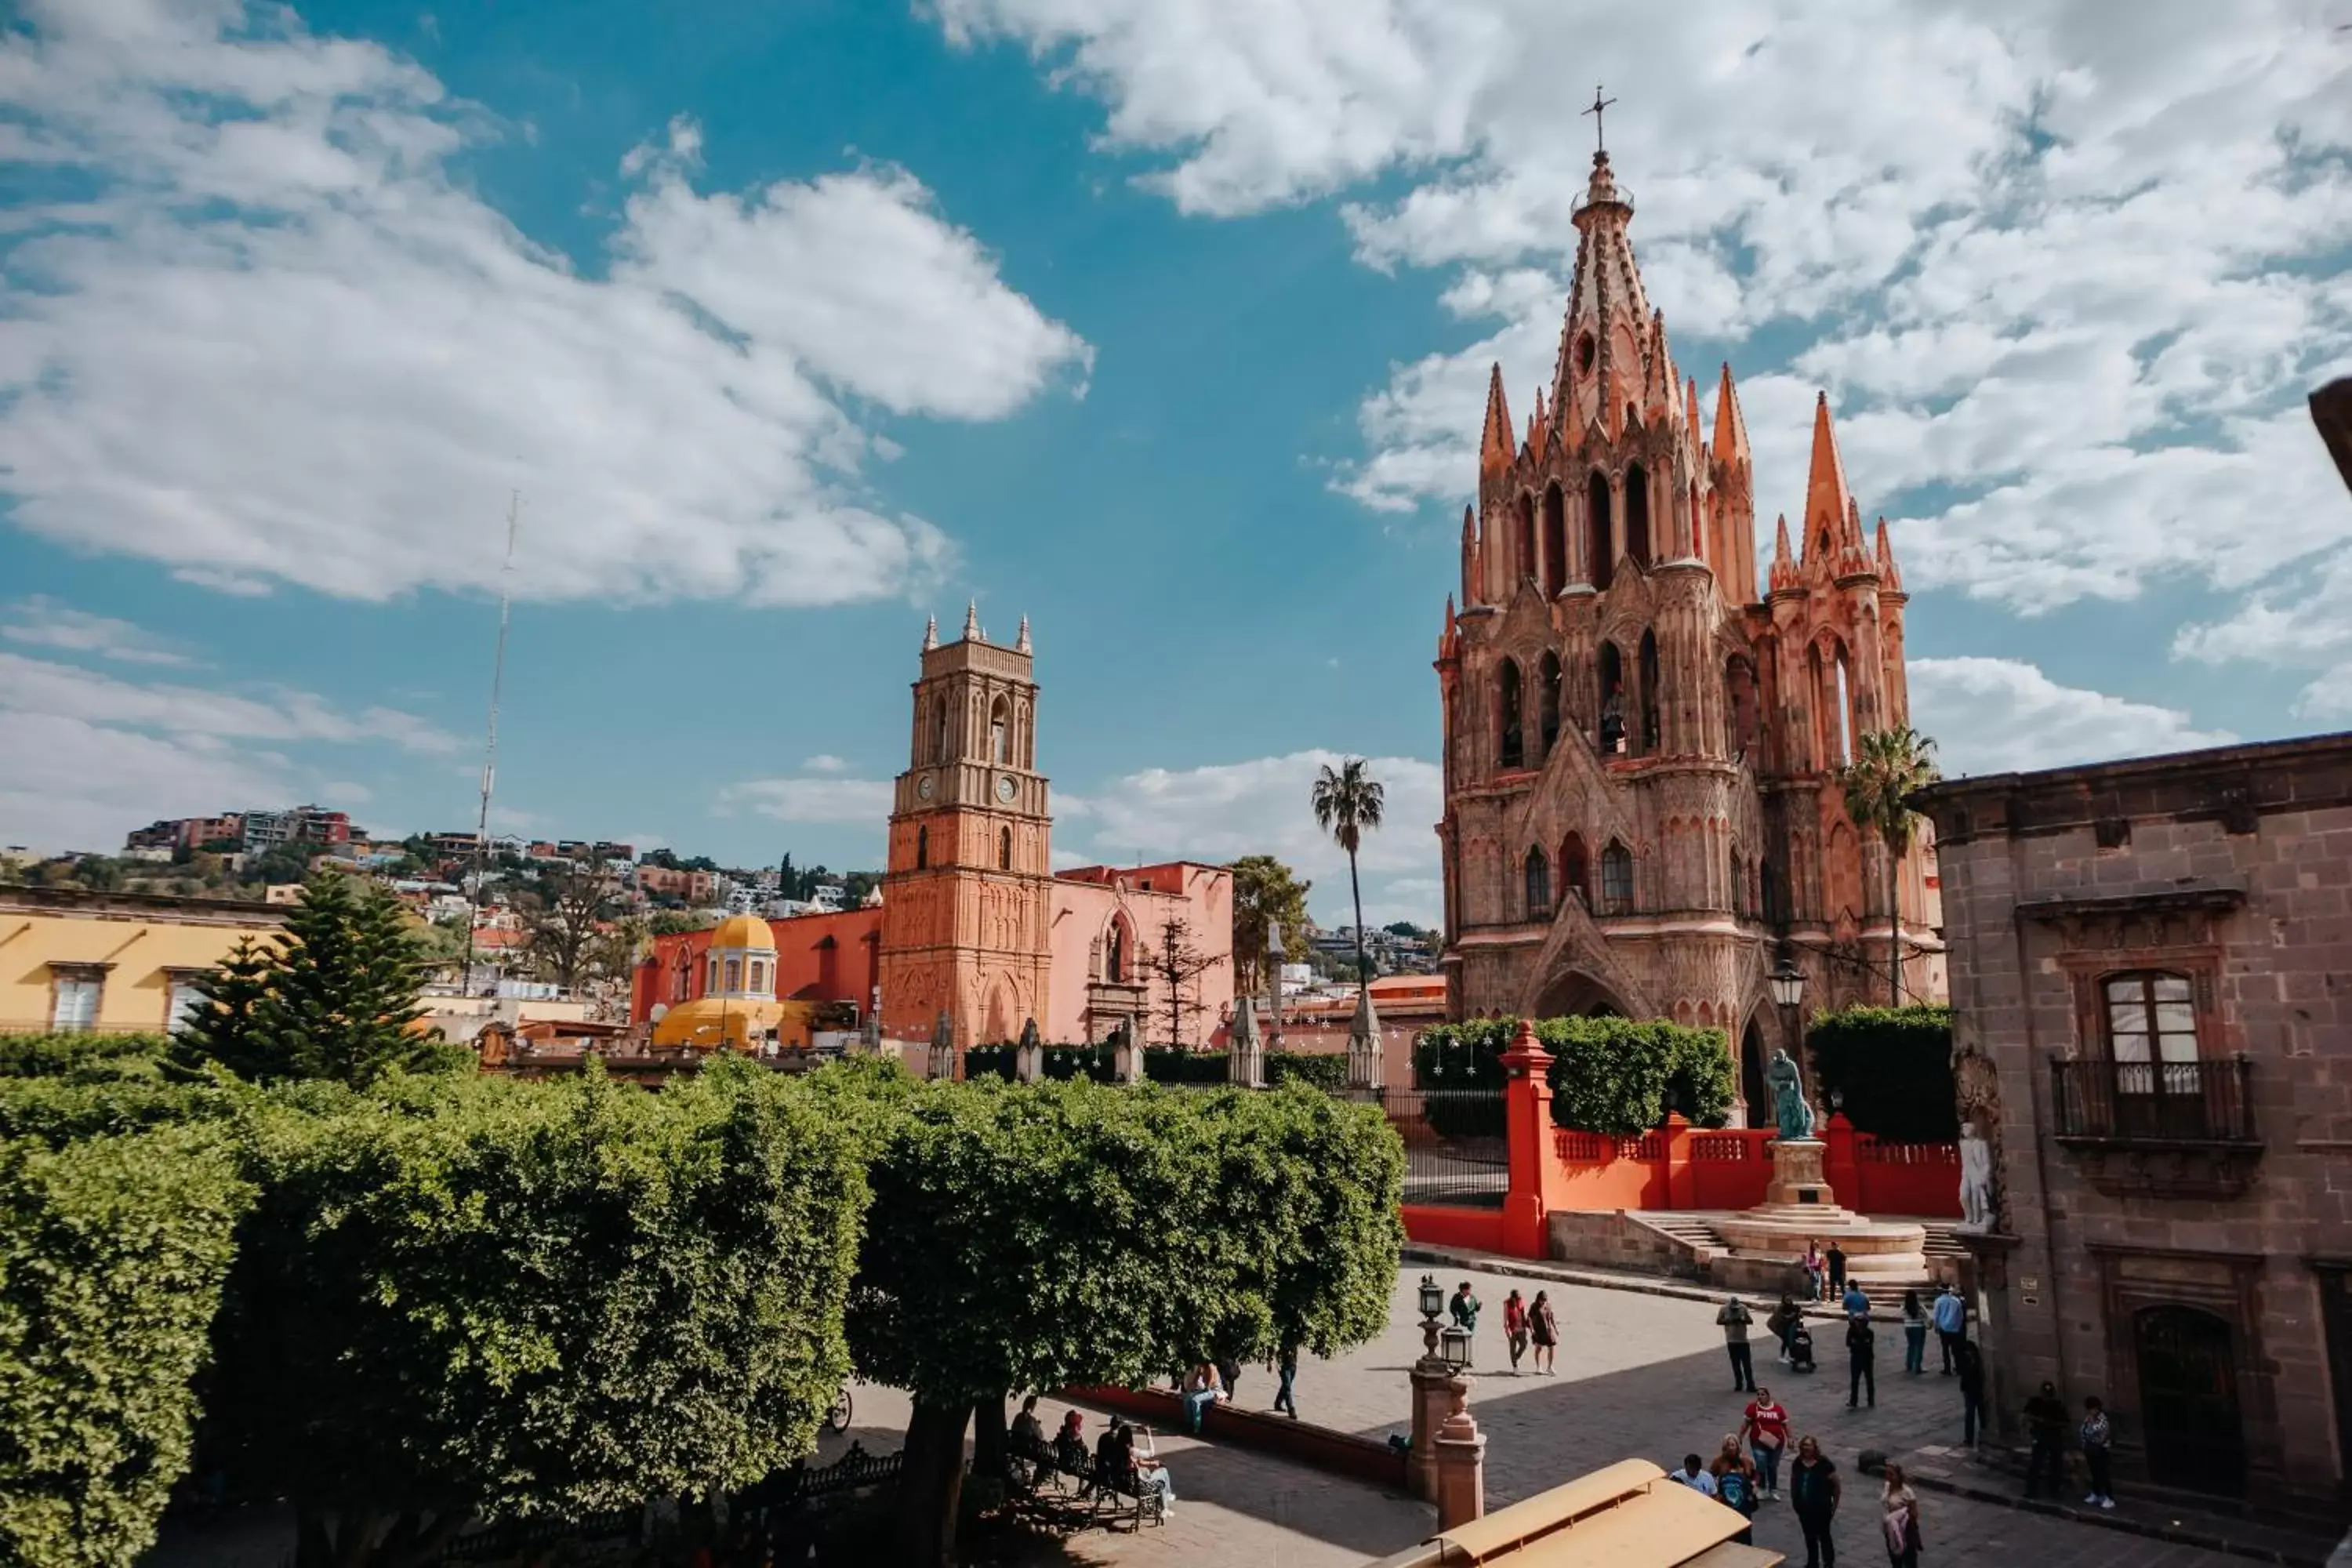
(1318, 1447)
(1608, 1239)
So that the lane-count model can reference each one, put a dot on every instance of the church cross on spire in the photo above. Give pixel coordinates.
(1600, 141)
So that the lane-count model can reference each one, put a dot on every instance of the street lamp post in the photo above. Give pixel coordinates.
(1788, 983)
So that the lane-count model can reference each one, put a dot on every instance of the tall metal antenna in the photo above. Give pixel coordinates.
(490, 749)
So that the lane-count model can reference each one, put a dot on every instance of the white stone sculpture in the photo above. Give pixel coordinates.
(1977, 1209)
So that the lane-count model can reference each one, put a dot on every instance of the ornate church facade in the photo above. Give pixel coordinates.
(1642, 813)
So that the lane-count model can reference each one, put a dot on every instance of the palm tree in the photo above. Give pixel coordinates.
(1888, 766)
(1348, 803)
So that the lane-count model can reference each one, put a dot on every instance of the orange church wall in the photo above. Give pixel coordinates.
(819, 958)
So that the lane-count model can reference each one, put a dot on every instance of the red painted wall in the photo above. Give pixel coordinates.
(819, 958)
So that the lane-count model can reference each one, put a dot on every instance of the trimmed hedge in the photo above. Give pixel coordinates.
(1608, 1075)
(1894, 1067)
(113, 1254)
(1063, 1063)
(82, 1055)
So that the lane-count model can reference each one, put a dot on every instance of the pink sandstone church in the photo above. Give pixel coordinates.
(1641, 811)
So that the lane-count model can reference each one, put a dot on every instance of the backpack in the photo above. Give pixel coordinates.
(1732, 1487)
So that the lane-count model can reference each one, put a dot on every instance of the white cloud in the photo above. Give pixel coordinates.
(2073, 270)
(43, 622)
(2002, 715)
(864, 802)
(2304, 623)
(283, 340)
(85, 756)
(1222, 811)
(824, 763)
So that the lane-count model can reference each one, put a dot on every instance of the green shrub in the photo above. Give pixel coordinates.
(112, 1250)
(1163, 1065)
(1893, 1066)
(1608, 1075)
(1319, 1069)
(1061, 1063)
(82, 1055)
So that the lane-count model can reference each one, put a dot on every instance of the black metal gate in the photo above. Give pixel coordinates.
(1455, 1147)
(2189, 1399)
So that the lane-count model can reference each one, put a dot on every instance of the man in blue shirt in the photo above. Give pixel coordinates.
(1856, 1304)
(1951, 1316)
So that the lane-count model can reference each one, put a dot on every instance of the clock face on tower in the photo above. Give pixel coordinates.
(923, 786)
(1005, 788)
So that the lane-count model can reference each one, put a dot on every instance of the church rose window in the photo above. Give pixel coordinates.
(1617, 879)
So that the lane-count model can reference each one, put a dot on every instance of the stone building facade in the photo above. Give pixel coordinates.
(2151, 974)
(1641, 814)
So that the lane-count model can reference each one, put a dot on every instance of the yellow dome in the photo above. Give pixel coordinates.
(740, 1022)
(745, 932)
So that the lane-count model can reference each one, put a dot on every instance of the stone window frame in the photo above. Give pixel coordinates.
(178, 979)
(64, 973)
(2088, 970)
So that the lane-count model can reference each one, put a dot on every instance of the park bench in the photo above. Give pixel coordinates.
(1104, 1498)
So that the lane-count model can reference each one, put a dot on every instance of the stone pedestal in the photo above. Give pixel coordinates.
(1461, 1461)
(1432, 1402)
(1797, 1175)
(1365, 1064)
(1800, 1207)
(1126, 1057)
(1245, 1055)
(1029, 1063)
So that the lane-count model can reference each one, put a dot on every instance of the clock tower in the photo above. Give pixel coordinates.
(967, 892)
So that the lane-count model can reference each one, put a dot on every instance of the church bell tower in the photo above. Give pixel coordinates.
(966, 896)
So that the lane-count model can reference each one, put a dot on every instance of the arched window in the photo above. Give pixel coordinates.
(1612, 730)
(1616, 879)
(999, 732)
(1525, 512)
(1738, 886)
(1115, 953)
(1548, 700)
(710, 981)
(682, 982)
(1555, 540)
(1844, 713)
(758, 975)
(922, 847)
(1740, 687)
(1539, 885)
(940, 733)
(1575, 873)
(1600, 551)
(1004, 849)
(1512, 751)
(734, 974)
(1649, 657)
(1637, 514)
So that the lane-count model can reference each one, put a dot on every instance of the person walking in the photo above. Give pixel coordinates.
(1862, 1362)
(1914, 1334)
(1951, 1315)
(1515, 1329)
(2045, 1423)
(1854, 1302)
(1285, 1396)
(1695, 1476)
(2099, 1453)
(1783, 1322)
(1733, 1319)
(1835, 1257)
(1736, 1484)
(1814, 1493)
(1543, 1327)
(1971, 1392)
(1766, 1427)
(1899, 1519)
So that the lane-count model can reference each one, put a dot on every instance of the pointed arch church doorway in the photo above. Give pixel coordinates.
(1752, 1052)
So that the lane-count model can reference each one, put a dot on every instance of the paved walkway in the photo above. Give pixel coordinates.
(1639, 1375)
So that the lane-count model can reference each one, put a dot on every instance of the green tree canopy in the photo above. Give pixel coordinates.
(333, 996)
(470, 1296)
(1892, 1066)
(1026, 1237)
(1266, 892)
(112, 1250)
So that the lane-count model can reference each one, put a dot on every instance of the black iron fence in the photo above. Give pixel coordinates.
(2196, 1101)
(1456, 1150)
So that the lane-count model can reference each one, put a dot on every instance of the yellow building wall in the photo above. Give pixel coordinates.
(143, 946)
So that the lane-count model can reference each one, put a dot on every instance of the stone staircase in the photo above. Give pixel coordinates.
(1694, 1238)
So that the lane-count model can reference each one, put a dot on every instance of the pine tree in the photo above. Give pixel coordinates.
(335, 998)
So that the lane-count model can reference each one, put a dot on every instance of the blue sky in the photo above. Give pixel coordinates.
(1165, 323)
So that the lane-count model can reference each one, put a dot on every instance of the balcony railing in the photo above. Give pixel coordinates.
(2116, 1102)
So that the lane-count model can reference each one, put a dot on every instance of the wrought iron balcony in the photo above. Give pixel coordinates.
(2160, 1128)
